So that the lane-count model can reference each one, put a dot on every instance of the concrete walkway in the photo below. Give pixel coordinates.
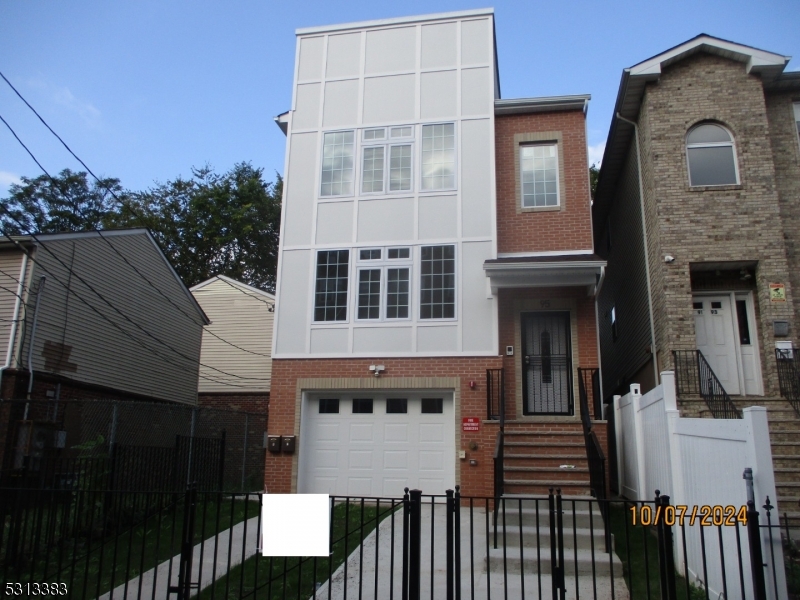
(486, 582)
(242, 540)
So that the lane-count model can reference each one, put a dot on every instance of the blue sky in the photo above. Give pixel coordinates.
(144, 91)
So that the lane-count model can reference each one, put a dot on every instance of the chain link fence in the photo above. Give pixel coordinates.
(129, 445)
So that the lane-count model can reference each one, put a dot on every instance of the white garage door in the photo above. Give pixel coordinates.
(376, 445)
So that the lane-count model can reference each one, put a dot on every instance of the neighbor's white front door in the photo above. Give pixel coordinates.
(363, 444)
(715, 338)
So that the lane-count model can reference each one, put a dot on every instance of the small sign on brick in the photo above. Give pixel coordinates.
(471, 424)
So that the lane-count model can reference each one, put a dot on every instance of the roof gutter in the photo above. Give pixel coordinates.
(644, 242)
(15, 318)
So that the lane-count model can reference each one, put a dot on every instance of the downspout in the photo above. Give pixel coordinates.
(597, 289)
(644, 240)
(39, 292)
(15, 318)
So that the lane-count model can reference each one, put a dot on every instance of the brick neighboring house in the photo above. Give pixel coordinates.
(697, 211)
(435, 241)
(242, 316)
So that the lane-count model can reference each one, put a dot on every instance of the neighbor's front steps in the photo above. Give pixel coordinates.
(784, 434)
(540, 456)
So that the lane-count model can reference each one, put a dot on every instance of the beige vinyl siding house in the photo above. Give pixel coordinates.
(113, 315)
(242, 316)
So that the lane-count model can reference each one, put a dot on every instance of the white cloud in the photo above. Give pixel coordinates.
(596, 153)
(87, 111)
(6, 178)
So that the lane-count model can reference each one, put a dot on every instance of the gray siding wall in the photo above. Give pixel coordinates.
(10, 271)
(100, 346)
(625, 285)
(241, 317)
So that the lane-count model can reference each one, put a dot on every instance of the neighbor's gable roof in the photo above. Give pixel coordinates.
(631, 90)
(233, 283)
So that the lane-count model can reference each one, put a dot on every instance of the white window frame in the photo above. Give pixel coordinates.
(732, 144)
(384, 263)
(387, 142)
(349, 290)
(455, 286)
(455, 158)
(322, 159)
(554, 144)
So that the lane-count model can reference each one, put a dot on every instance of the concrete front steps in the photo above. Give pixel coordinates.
(784, 433)
(540, 456)
(527, 547)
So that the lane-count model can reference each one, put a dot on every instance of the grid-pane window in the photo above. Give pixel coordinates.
(370, 254)
(402, 132)
(372, 171)
(399, 168)
(399, 253)
(539, 169)
(369, 294)
(330, 301)
(397, 292)
(711, 156)
(438, 156)
(438, 282)
(337, 164)
(374, 134)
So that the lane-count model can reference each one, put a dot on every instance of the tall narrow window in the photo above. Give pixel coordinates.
(372, 170)
(397, 293)
(439, 156)
(614, 334)
(744, 325)
(539, 169)
(711, 156)
(369, 294)
(399, 168)
(797, 119)
(330, 300)
(337, 164)
(438, 282)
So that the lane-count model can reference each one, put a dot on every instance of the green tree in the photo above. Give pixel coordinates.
(594, 175)
(67, 202)
(213, 224)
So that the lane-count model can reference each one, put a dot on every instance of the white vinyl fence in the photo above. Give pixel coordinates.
(698, 462)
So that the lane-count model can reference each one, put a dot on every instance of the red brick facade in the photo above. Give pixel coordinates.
(567, 229)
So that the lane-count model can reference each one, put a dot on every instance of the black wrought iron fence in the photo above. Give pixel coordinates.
(789, 375)
(99, 544)
(694, 375)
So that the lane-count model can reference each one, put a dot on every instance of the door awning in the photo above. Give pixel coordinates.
(562, 270)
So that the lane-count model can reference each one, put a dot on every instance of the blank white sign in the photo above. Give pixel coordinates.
(295, 525)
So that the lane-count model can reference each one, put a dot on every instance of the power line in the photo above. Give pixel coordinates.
(270, 304)
(98, 294)
(122, 203)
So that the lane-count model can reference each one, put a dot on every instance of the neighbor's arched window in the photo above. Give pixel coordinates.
(711, 155)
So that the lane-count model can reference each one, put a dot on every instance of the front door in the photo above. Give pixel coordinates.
(546, 363)
(713, 322)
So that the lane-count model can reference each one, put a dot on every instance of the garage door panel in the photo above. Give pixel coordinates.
(325, 485)
(362, 432)
(360, 459)
(393, 487)
(395, 432)
(395, 459)
(326, 458)
(430, 432)
(431, 461)
(359, 486)
(327, 432)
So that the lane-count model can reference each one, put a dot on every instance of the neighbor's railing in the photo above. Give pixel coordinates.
(693, 375)
(789, 375)
(495, 395)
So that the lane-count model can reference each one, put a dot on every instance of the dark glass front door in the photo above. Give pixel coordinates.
(546, 364)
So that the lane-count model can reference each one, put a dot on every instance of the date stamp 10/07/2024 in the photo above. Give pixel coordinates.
(29, 590)
(705, 515)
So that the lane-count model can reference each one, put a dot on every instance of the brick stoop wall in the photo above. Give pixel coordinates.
(291, 376)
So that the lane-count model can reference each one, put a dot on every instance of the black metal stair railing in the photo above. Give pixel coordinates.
(789, 375)
(495, 395)
(694, 375)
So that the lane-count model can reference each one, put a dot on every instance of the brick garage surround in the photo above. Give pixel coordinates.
(290, 377)
(569, 228)
(728, 223)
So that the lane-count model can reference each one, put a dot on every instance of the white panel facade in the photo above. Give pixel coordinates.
(390, 172)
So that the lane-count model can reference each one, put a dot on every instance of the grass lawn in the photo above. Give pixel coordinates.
(111, 546)
(275, 578)
(638, 551)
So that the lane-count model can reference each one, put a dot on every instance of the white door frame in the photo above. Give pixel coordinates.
(751, 317)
